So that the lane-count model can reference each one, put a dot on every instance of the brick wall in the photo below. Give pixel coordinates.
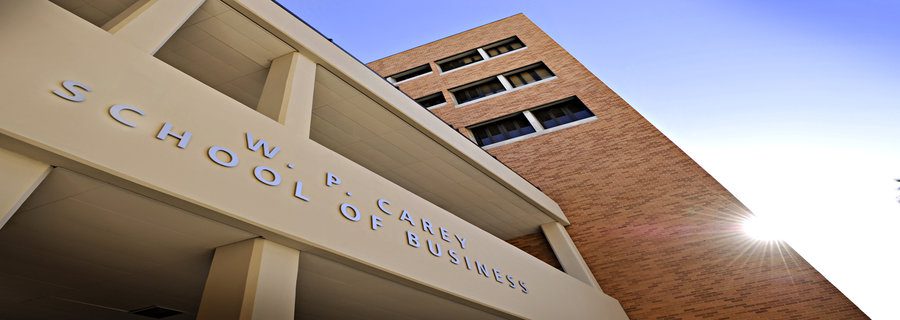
(536, 244)
(659, 233)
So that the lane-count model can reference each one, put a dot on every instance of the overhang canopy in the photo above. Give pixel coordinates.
(350, 123)
(356, 113)
(366, 119)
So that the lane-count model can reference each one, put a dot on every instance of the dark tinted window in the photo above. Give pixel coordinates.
(501, 130)
(431, 100)
(411, 73)
(477, 91)
(531, 74)
(467, 58)
(562, 113)
(504, 47)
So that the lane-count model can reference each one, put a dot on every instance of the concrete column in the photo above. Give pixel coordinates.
(568, 254)
(20, 176)
(254, 279)
(287, 96)
(148, 24)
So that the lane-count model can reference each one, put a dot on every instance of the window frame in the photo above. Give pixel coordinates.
(436, 94)
(458, 56)
(528, 67)
(393, 78)
(481, 50)
(534, 123)
(501, 43)
(503, 80)
(453, 91)
(559, 103)
(472, 128)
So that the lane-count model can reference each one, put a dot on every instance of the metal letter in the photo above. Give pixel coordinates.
(254, 146)
(331, 179)
(258, 173)
(497, 275)
(444, 234)
(405, 216)
(426, 226)
(454, 258)
(72, 94)
(412, 239)
(381, 204)
(376, 222)
(468, 262)
(298, 191)
(214, 156)
(482, 269)
(436, 250)
(522, 285)
(355, 217)
(512, 283)
(183, 139)
(462, 241)
(116, 113)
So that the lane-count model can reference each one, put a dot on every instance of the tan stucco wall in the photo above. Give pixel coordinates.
(44, 45)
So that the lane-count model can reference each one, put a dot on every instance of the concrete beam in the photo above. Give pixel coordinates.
(287, 96)
(254, 279)
(148, 24)
(21, 175)
(568, 254)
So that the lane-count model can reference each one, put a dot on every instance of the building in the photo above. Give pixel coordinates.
(656, 231)
(220, 159)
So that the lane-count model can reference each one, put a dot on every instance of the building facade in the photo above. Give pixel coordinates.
(657, 232)
(220, 159)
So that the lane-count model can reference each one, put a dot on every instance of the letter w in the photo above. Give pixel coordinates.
(254, 146)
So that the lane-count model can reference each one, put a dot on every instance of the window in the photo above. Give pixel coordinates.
(542, 120)
(431, 100)
(473, 56)
(460, 60)
(501, 130)
(479, 90)
(411, 73)
(504, 46)
(528, 75)
(563, 112)
(491, 86)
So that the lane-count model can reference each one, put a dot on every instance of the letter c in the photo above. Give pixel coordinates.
(381, 205)
(116, 113)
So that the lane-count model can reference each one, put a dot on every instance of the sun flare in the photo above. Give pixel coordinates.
(763, 229)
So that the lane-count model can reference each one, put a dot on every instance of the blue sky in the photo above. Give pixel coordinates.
(794, 106)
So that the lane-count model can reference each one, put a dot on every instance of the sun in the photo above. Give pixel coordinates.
(763, 228)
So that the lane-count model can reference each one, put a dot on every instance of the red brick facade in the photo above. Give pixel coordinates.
(659, 233)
